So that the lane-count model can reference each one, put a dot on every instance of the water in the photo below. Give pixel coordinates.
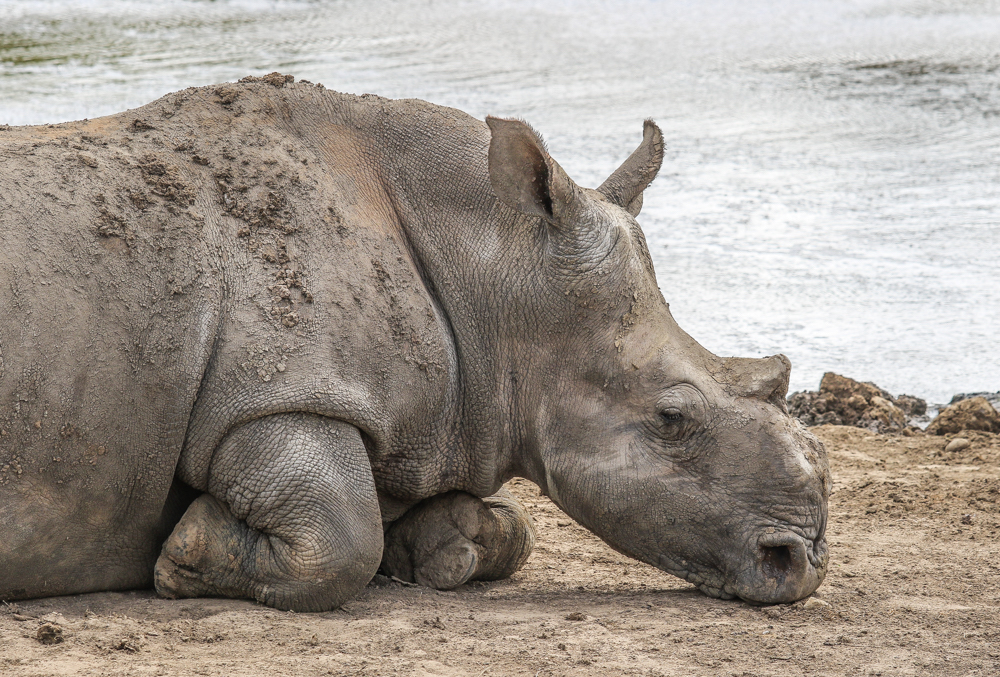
(832, 182)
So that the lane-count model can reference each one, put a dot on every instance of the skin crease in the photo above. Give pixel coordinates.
(235, 301)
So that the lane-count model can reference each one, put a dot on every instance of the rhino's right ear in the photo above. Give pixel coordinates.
(523, 174)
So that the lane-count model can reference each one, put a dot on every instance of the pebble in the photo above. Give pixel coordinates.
(958, 444)
(813, 603)
(49, 633)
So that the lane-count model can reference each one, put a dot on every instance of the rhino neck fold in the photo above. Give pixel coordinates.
(472, 266)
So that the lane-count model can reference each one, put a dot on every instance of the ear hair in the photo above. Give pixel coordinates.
(624, 187)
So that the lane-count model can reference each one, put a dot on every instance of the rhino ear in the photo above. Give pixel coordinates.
(625, 186)
(523, 174)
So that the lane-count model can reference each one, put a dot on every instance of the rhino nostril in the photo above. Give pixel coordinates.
(776, 560)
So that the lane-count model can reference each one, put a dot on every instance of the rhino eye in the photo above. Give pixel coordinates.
(672, 416)
(674, 426)
(679, 413)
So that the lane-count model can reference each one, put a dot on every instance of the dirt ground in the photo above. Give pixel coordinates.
(913, 589)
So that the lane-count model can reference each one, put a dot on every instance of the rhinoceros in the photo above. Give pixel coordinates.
(262, 339)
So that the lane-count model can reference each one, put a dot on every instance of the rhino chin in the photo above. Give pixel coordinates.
(709, 583)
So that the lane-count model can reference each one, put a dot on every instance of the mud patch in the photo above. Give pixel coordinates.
(274, 79)
(288, 294)
(417, 350)
(111, 223)
(266, 361)
(164, 180)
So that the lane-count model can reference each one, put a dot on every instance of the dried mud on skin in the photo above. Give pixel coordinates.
(913, 589)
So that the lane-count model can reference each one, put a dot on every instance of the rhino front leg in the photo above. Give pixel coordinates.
(290, 519)
(456, 537)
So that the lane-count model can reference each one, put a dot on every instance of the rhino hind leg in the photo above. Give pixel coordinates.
(456, 537)
(290, 519)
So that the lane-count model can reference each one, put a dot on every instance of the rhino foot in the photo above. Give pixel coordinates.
(173, 581)
(453, 538)
(184, 554)
(290, 519)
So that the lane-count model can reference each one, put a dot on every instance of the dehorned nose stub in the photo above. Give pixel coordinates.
(764, 378)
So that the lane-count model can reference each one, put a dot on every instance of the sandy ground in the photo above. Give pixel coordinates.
(914, 589)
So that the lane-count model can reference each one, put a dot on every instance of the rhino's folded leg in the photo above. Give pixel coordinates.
(290, 519)
(452, 538)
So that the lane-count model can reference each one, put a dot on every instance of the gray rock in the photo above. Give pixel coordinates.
(958, 444)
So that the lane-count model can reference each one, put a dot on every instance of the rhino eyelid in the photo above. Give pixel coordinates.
(671, 415)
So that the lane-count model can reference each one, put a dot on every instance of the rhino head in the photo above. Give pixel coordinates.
(672, 455)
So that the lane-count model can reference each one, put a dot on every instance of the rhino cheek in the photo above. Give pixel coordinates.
(639, 513)
(781, 551)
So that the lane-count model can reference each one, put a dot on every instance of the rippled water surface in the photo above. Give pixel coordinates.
(832, 181)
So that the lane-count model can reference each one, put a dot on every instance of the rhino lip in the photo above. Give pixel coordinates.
(779, 567)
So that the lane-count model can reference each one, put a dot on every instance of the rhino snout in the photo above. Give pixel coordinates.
(784, 567)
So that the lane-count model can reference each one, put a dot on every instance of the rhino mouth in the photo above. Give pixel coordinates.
(781, 567)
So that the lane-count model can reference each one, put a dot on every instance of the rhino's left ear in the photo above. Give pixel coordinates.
(625, 186)
(523, 174)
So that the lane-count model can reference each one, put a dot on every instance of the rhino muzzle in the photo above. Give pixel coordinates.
(785, 567)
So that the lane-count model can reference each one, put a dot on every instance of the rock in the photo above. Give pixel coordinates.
(992, 398)
(844, 401)
(885, 412)
(49, 633)
(912, 406)
(830, 418)
(813, 603)
(958, 444)
(974, 413)
(847, 389)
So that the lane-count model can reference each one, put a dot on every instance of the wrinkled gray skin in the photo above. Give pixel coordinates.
(259, 339)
